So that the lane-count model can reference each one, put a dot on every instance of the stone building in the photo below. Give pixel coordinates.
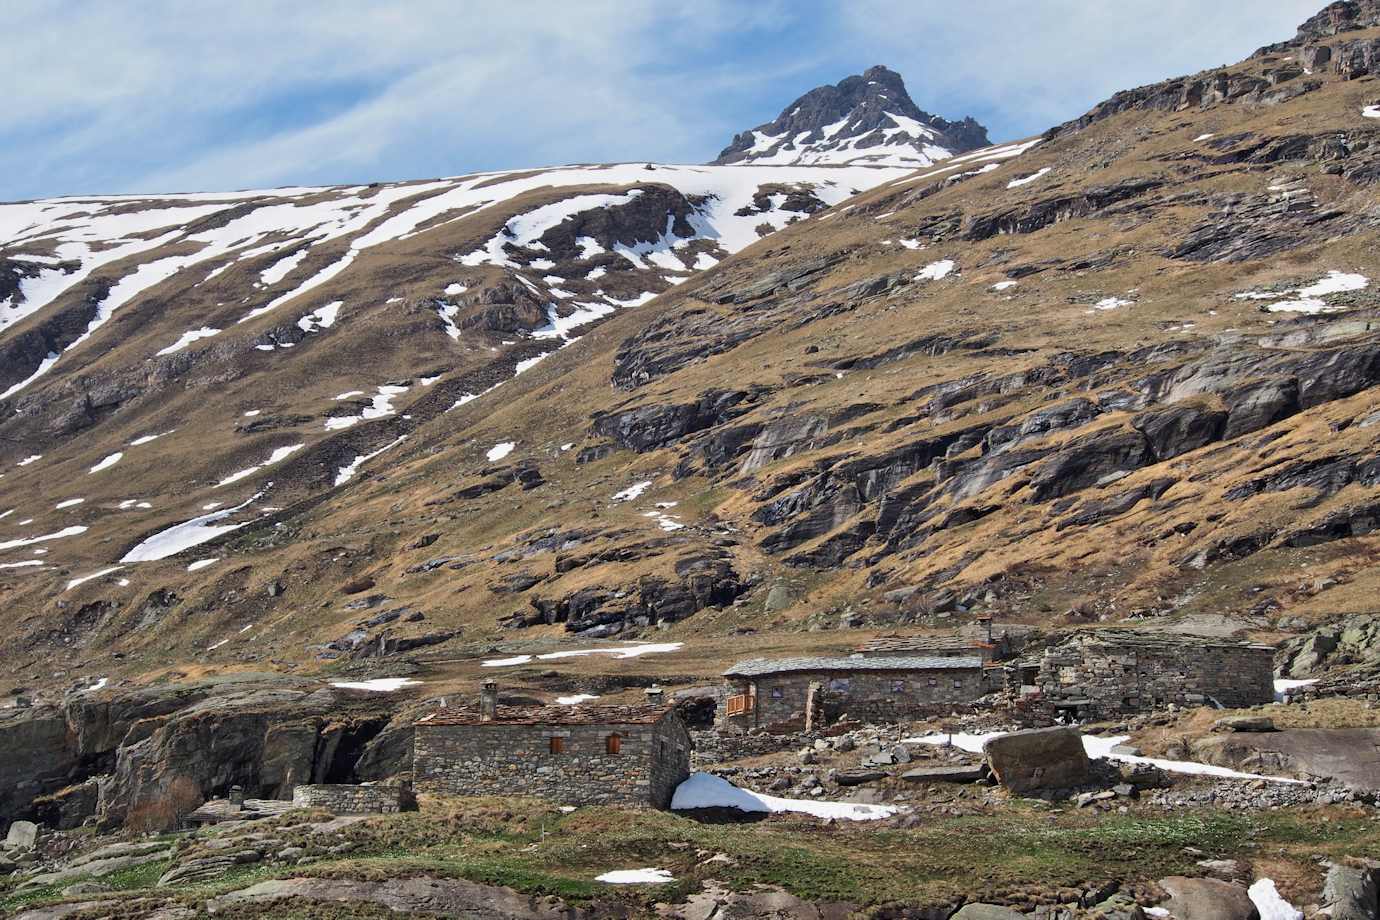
(796, 693)
(1106, 673)
(575, 755)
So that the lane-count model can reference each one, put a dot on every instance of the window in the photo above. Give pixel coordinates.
(934, 682)
(839, 684)
(958, 684)
(557, 744)
(613, 744)
(776, 693)
(898, 686)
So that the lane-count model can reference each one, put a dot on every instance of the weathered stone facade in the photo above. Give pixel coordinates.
(563, 753)
(1111, 672)
(371, 799)
(795, 694)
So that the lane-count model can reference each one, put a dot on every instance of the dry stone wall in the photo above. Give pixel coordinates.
(352, 800)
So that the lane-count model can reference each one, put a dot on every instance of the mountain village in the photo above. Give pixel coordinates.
(876, 522)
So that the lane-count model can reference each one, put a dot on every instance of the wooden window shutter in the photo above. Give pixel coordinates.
(557, 744)
(613, 744)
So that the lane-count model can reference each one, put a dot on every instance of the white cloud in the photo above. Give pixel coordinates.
(145, 95)
(168, 95)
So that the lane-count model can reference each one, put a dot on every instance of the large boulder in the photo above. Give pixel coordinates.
(1207, 899)
(22, 835)
(1350, 894)
(1041, 758)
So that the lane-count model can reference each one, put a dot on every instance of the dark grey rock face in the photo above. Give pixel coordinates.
(835, 124)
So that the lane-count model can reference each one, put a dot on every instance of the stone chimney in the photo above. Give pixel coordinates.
(488, 701)
(237, 797)
(655, 695)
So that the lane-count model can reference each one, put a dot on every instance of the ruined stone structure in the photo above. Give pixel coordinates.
(340, 799)
(575, 755)
(791, 694)
(1105, 673)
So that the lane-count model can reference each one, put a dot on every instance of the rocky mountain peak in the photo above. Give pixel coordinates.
(866, 119)
(1342, 16)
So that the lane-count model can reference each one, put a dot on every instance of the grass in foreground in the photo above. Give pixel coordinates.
(1015, 857)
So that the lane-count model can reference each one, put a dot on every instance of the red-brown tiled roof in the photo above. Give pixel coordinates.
(549, 715)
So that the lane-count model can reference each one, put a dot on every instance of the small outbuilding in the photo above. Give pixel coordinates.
(575, 755)
(795, 693)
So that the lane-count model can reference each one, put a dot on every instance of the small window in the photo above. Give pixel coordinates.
(934, 682)
(613, 744)
(557, 744)
(958, 684)
(840, 684)
(776, 693)
(898, 686)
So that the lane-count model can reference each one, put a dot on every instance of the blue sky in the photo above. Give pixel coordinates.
(180, 95)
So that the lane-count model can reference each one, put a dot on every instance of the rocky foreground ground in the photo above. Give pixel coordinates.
(861, 820)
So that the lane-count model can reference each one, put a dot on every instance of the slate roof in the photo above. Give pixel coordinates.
(1166, 641)
(757, 667)
(549, 715)
(902, 644)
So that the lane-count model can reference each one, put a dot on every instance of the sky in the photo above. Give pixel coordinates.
(115, 96)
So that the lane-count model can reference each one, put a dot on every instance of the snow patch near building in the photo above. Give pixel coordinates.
(576, 699)
(619, 652)
(1271, 905)
(703, 790)
(1102, 747)
(639, 877)
(377, 684)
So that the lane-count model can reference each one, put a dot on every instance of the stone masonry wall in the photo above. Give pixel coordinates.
(509, 759)
(671, 761)
(869, 696)
(1115, 679)
(351, 800)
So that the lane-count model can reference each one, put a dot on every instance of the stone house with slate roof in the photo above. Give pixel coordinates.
(795, 693)
(573, 755)
(1109, 672)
